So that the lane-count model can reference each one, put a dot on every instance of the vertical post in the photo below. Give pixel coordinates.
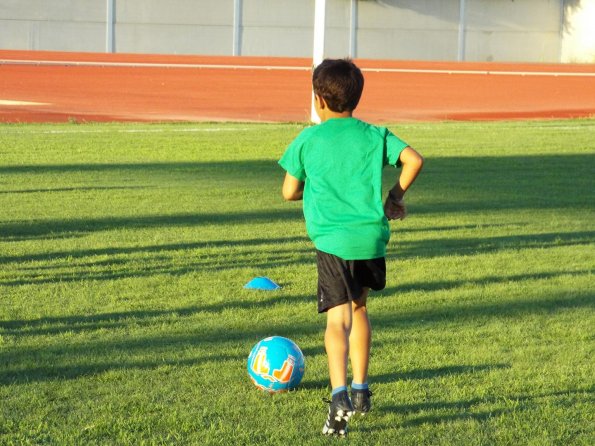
(353, 30)
(109, 26)
(562, 22)
(462, 26)
(318, 51)
(237, 28)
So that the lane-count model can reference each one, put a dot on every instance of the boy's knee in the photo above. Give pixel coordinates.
(359, 307)
(339, 325)
(339, 318)
(360, 303)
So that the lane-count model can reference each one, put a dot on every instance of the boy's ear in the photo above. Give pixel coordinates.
(321, 102)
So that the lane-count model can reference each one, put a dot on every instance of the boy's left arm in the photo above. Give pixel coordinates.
(412, 162)
(293, 189)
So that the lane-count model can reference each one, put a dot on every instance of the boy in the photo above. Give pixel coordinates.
(336, 167)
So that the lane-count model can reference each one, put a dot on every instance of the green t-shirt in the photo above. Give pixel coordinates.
(341, 162)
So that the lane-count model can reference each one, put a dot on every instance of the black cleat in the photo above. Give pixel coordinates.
(361, 400)
(339, 412)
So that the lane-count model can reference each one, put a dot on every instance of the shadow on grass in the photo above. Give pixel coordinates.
(158, 249)
(438, 372)
(458, 312)
(417, 374)
(36, 229)
(467, 184)
(71, 189)
(467, 409)
(477, 245)
(478, 416)
(99, 365)
(480, 282)
(249, 300)
(211, 169)
(116, 269)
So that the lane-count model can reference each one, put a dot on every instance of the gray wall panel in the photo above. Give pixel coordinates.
(173, 39)
(58, 10)
(176, 12)
(410, 44)
(277, 41)
(68, 35)
(512, 46)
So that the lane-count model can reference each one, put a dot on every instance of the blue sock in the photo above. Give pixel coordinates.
(357, 386)
(337, 390)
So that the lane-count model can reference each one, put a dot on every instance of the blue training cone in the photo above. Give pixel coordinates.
(262, 283)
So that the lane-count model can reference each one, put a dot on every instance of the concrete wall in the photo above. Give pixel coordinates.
(493, 30)
(578, 41)
(277, 27)
(173, 26)
(408, 29)
(518, 31)
(72, 25)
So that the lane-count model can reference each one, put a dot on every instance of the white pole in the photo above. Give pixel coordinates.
(462, 25)
(109, 26)
(318, 52)
(562, 20)
(353, 30)
(237, 24)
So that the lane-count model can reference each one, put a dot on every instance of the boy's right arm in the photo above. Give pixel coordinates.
(412, 162)
(293, 189)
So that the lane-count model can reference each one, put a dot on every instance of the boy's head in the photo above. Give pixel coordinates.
(339, 82)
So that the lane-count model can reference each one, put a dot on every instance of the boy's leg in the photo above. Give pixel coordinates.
(336, 342)
(359, 351)
(360, 339)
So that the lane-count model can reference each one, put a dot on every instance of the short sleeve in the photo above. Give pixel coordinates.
(394, 146)
(292, 160)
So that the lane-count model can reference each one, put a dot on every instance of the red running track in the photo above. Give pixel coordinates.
(40, 86)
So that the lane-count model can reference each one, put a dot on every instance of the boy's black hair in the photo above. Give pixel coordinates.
(339, 82)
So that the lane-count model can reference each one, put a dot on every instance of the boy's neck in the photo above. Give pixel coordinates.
(329, 114)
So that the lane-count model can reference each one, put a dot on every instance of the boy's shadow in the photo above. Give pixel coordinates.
(391, 377)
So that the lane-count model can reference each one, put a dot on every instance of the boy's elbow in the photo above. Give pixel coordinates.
(411, 159)
(291, 196)
(292, 189)
(288, 195)
(420, 162)
(415, 161)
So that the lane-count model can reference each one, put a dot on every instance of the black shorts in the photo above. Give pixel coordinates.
(341, 281)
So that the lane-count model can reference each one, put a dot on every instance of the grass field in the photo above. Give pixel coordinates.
(124, 250)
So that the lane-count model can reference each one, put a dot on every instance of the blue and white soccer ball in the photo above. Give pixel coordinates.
(276, 364)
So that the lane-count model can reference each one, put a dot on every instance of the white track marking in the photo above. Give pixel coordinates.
(161, 130)
(482, 72)
(256, 127)
(149, 65)
(287, 68)
(20, 103)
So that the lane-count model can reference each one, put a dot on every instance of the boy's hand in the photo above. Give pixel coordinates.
(394, 207)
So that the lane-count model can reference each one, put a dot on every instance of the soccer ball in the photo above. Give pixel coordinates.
(276, 364)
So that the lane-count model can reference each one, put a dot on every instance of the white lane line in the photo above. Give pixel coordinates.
(149, 65)
(482, 72)
(11, 102)
(161, 130)
(289, 68)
